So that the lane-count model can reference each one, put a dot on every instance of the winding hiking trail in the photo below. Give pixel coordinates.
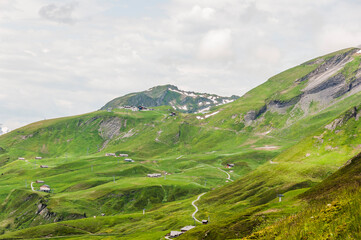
(194, 205)
(229, 176)
(31, 185)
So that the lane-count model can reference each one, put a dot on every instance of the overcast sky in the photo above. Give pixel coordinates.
(60, 58)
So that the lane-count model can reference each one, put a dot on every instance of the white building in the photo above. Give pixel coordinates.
(110, 155)
(45, 188)
(187, 228)
(154, 175)
(174, 234)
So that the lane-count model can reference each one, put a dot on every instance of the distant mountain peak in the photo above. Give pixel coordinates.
(170, 95)
(167, 86)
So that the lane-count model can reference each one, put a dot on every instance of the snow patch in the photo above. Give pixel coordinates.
(225, 101)
(172, 104)
(359, 51)
(213, 99)
(267, 147)
(211, 114)
(183, 107)
(204, 110)
(188, 94)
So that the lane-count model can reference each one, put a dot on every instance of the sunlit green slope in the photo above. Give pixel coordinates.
(275, 135)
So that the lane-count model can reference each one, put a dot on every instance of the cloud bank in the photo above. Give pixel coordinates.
(70, 57)
(61, 14)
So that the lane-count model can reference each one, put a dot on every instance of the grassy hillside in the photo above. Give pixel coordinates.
(252, 200)
(277, 138)
(86, 183)
(333, 210)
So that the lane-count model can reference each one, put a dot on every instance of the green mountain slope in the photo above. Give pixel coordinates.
(284, 136)
(252, 199)
(333, 210)
(169, 95)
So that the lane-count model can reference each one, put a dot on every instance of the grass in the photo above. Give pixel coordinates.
(350, 69)
(333, 211)
(297, 170)
(192, 151)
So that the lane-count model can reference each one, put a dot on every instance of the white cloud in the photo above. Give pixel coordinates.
(50, 69)
(268, 54)
(217, 45)
(64, 103)
(198, 13)
(338, 37)
(58, 13)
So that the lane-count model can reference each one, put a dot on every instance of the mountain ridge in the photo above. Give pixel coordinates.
(170, 95)
(275, 143)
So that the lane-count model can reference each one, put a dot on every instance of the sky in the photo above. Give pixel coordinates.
(61, 58)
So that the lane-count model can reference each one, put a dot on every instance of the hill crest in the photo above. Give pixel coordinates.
(170, 95)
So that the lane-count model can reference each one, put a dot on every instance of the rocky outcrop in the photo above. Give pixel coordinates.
(253, 115)
(353, 113)
(327, 67)
(325, 86)
(45, 213)
(282, 106)
(110, 128)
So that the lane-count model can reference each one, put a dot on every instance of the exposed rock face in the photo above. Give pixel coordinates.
(110, 128)
(328, 68)
(354, 113)
(280, 106)
(253, 115)
(325, 86)
(44, 212)
(329, 83)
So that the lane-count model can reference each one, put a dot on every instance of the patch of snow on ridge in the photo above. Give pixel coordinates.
(211, 114)
(183, 107)
(359, 51)
(188, 94)
(207, 116)
(213, 99)
(204, 110)
(227, 101)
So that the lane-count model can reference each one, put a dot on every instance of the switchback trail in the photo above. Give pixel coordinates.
(229, 176)
(194, 205)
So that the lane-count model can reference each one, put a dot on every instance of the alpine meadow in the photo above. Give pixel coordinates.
(280, 162)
